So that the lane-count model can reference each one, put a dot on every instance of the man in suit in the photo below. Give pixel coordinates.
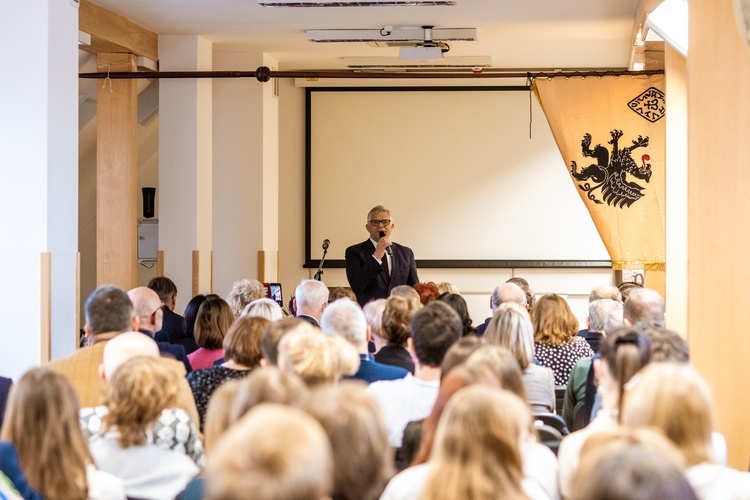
(310, 298)
(377, 265)
(344, 317)
(147, 306)
(505, 292)
(109, 313)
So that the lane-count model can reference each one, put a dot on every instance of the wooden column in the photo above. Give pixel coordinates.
(718, 83)
(116, 171)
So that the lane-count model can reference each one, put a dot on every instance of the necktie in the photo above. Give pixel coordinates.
(384, 265)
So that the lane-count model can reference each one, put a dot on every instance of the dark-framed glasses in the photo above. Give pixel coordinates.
(384, 222)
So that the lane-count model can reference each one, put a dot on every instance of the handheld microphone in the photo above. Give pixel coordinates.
(326, 242)
(387, 249)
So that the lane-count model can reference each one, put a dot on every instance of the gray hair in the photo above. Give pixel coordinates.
(511, 327)
(243, 292)
(263, 308)
(605, 292)
(644, 306)
(508, 292)
(599, 312)
(311, 293)
(346, 319)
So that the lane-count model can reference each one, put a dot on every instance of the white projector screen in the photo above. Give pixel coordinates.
(465, 184)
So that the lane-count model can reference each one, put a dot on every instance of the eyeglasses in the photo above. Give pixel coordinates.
(384, 223)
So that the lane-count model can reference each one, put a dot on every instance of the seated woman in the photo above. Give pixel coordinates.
(316, 358)
(374, 315)
(42, 423)
(242, 354)
(556, 339)
(243, 292)
(676, 400)
(211, 325)
(510, 327)
(135, 395)
(264, 308)
(461, 464)
(428, 291)
(397, 329)
(459, 305)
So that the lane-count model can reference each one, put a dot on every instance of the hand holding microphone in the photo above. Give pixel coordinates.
(388, 249)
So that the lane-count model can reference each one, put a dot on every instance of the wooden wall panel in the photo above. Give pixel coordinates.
(718, 70)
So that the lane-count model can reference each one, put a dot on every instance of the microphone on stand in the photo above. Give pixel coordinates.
(387, 249)
(326, 243)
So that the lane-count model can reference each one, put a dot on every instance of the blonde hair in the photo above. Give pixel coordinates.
(288, 456)
(212, 322)
(675, 399)
(511, 327)
(242, 342)
(362, 457)
(397, 317)
(136, 394)
(447, 287)
(243, 292)
(502, 364)
(269, 385)
(374, 316)
(317, 358)
(42, 423)
(263, 308)
(219, 413)
(553, 321)
(476, 452)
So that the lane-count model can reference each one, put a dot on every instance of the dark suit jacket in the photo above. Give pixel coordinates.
(367, 278)
(395, 356)
(593, 338)
(173, 351)
(172, 327)
(372, 371)
(309, 319)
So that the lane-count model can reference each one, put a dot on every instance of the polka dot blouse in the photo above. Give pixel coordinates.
(562, 358)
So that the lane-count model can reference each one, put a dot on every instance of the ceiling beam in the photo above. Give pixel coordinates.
(112, 33)
(645, 55)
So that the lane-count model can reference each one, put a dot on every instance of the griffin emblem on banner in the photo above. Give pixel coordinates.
(611, 174)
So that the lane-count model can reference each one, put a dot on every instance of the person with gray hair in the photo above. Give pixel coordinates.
(599, 311)
(504, 293)
(593, 337)
(310, 298)
(605, 292)
(644, 306)
(346, 319)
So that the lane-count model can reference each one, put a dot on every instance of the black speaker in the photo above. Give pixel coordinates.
(149, 194)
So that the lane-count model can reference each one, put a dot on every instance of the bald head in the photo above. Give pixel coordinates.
(126, 346)
(644, 306)
(508, 292)
(147, 306)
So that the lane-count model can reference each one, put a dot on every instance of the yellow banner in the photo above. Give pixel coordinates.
(611, 134)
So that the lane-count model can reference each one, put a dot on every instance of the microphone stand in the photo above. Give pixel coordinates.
(320, 267)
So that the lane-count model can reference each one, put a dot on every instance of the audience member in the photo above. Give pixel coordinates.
(191, 314)
(42, 424)
(147, 307)
(340, 292)
(434, 329)
(362, 458)
(290, 457)
(623, 353)
(271, 336)
(374, 315)
(220, 412)
(109, 313)
(630, 465)
(344, 317)
(211, 325)
(447, 287)
(264, 308)
(316, 358)
(511, 328)
(524, 285)
(599, 311)
(405, 291)
(172, 325)
(310, 298)
(12, 474)
(242, 353)
(175, 429)
(458, 304)
(644, 306)
(397, 317)
(626, 287)
(667, 345)
(428, 291)
(243, 292)
(459, 352)
(675, 399)
(503, 293)
(555, 337)
(136, 394)
(461, 464)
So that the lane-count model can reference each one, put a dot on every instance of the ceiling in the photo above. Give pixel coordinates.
(516, 34)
